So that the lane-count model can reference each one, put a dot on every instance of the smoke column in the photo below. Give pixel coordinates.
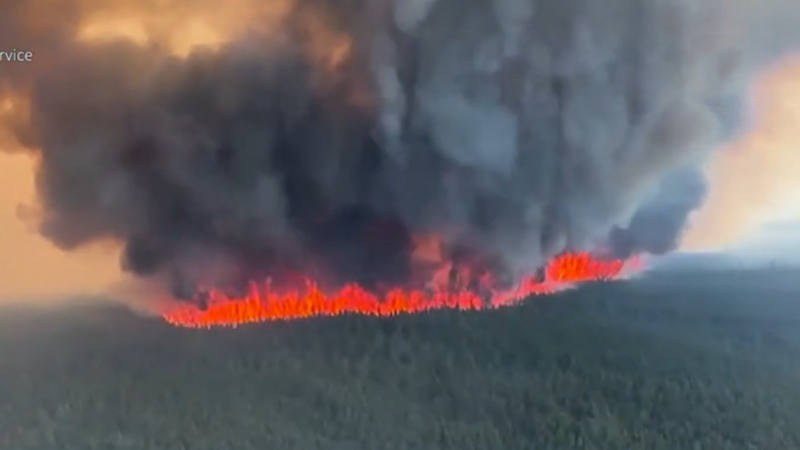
(220, 141)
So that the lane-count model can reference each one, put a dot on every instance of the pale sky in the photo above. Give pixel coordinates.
(757, 178)
(30, 267)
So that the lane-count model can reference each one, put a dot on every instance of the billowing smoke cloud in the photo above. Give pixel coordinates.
(322, 135)
(660, 220)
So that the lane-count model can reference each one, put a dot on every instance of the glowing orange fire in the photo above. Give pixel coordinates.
(264, 304)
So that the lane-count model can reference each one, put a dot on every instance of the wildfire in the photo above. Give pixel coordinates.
(264, 304)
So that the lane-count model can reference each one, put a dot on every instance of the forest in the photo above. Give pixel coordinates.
(703, 361)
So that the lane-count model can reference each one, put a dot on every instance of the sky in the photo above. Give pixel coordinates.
(32, 268)
(755, 178)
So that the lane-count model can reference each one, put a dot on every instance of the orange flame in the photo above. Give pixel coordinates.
(263, 304)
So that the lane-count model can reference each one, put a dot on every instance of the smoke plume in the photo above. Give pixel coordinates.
(217, 141)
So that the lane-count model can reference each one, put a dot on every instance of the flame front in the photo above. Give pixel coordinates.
(264, 304)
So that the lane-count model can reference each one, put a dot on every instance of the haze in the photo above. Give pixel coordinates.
(31, 268)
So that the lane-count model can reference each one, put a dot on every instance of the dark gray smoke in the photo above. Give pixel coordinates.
(659, 221)
(516, 129)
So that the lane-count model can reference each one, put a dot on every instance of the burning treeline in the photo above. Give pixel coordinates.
(376, 142)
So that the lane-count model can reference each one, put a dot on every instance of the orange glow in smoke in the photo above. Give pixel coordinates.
(264, 304)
